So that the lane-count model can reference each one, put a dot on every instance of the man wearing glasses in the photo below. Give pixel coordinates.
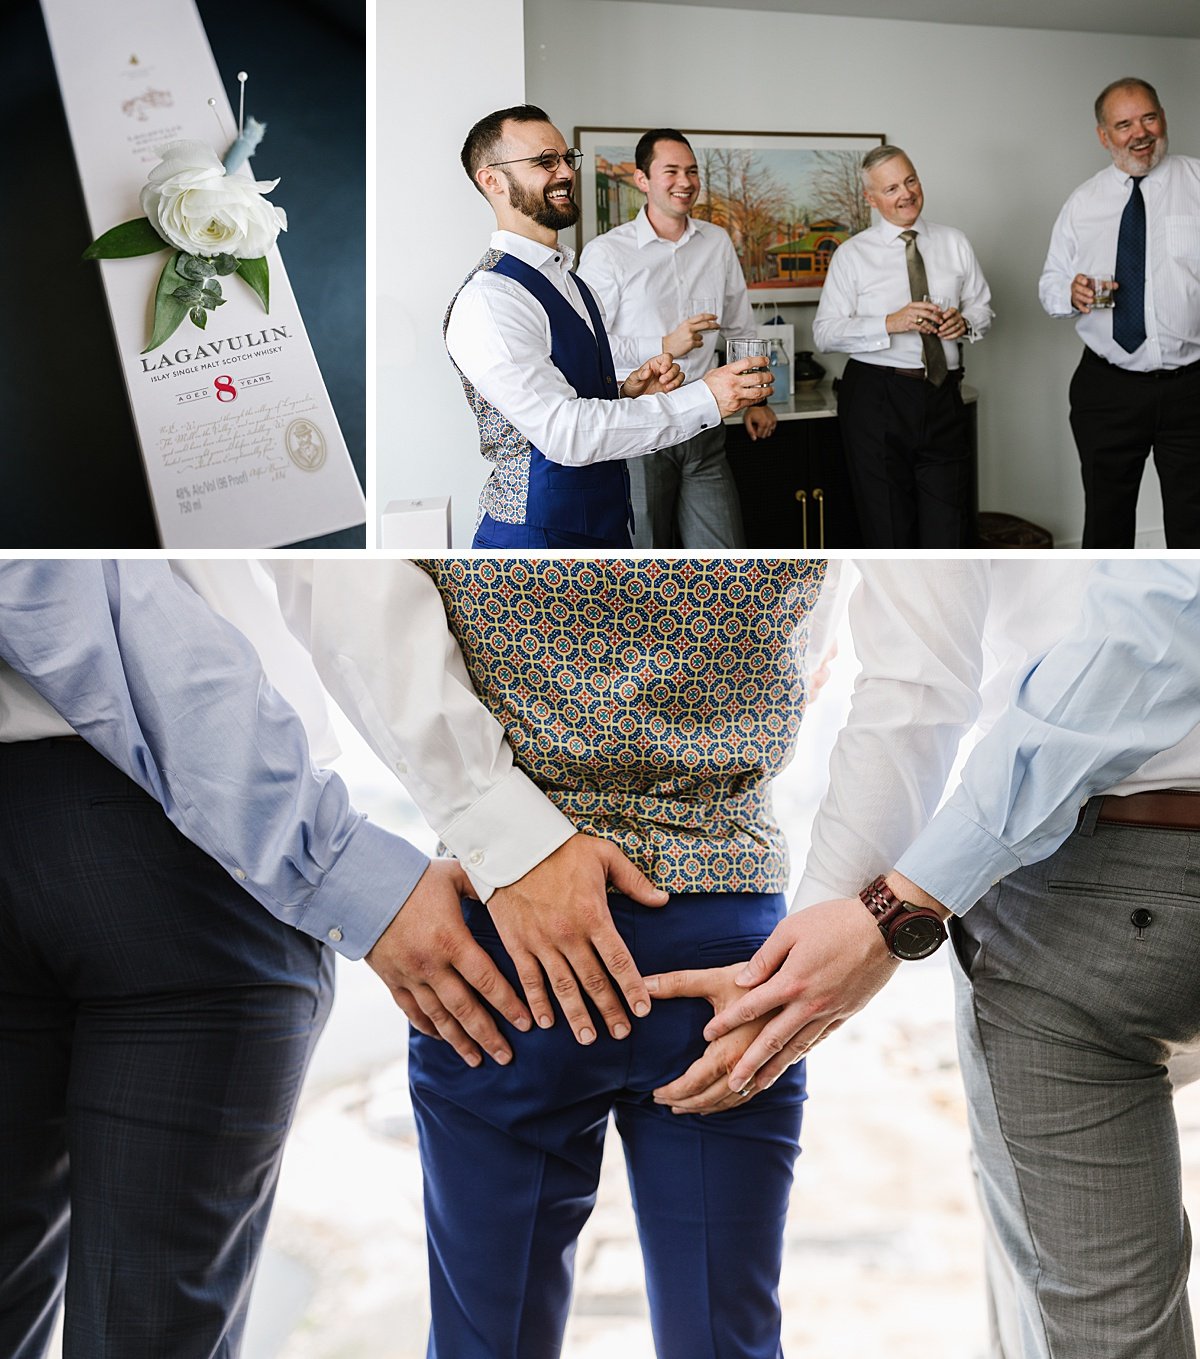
(527, 339)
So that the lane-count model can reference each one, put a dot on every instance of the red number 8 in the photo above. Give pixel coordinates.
(226, 391)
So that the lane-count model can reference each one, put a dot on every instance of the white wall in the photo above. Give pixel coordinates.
(439, 68)
(998, 122)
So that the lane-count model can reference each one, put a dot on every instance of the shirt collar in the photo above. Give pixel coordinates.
(644, 233)
(533, 253)
(1160, 171)
(889, 231)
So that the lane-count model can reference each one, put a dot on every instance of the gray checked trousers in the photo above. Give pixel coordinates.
(686, 496)
(1078, 1010)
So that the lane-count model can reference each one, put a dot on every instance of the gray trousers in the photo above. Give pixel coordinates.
(685, 496)
(1073, 1018)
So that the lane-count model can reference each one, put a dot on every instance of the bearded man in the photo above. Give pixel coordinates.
(527, 338)
(1137, 386)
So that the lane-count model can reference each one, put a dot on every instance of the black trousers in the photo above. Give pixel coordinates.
(908, 455)
(1117, 417)
(155, 1027)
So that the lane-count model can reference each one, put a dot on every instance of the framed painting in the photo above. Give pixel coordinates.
(787, 199)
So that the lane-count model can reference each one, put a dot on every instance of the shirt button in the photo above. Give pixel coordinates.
(240, 874)
(475, 857)
(1141, 918)
(336, 935)
(401, 767)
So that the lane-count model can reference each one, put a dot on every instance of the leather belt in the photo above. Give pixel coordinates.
(1153, 374)
(917, 374)
(1161, 808)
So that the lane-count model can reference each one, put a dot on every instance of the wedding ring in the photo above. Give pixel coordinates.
(746, 1091)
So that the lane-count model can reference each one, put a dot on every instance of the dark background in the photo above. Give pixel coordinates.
(70, 467)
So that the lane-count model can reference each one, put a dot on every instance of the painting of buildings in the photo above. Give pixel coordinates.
(787, 200)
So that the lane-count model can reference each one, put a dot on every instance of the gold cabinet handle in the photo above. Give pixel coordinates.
(802, 497)
(819, 497)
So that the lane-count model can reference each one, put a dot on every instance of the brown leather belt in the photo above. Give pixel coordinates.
(1150, 374)
(1162, 808)
(954, 375)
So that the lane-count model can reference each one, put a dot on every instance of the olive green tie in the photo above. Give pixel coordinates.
(935, 355)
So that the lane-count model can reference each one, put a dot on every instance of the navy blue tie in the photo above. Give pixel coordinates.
(1129, 302)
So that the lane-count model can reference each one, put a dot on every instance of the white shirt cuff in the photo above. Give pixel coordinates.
(508, 831)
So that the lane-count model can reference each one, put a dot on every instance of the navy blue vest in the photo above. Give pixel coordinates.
(592, 501)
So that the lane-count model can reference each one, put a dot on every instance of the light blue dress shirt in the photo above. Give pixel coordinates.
(1121, 687)
(175, 697)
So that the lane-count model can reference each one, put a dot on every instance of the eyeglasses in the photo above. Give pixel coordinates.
(548, 160)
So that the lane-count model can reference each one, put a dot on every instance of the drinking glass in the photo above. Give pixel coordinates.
(1102, 286)
(750, 349)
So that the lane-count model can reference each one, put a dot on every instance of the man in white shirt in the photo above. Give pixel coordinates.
(528, 341)
(899, 298)
(652, 275)
(1066, 856)
(1137, 386)
(635, 694)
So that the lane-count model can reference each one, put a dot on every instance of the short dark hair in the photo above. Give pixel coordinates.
(1125, 83)
(484, 137)
(649, 140)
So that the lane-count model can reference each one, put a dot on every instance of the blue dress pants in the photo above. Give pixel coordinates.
(511, 1159)
(493, 534)
(155, 1026)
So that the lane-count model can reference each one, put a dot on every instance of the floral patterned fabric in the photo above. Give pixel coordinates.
(506, 492)
(652, 700)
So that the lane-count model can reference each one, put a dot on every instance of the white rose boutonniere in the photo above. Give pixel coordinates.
(201, 210)
(215, 224)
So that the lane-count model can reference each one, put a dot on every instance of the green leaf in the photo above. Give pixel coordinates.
(225, 264)
(169, 311)
(255, 274)
(188, 294)
(123, 242)
(192, 266)
(199, 317)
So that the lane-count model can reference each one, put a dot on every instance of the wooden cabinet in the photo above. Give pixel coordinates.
(794, 487)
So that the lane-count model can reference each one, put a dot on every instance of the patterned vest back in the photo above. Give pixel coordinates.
(526, 487)
(652, 700)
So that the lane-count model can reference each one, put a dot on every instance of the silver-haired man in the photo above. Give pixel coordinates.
(899, 299)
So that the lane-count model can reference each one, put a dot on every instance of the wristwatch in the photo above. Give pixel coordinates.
(909, 931)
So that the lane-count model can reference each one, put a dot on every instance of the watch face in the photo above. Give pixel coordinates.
(917, 937)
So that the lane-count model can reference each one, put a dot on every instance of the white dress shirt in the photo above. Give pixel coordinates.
(499, 338)
(1084, 241)
(648, 285)
(868, 280)
(940, 646)
(378, 635)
